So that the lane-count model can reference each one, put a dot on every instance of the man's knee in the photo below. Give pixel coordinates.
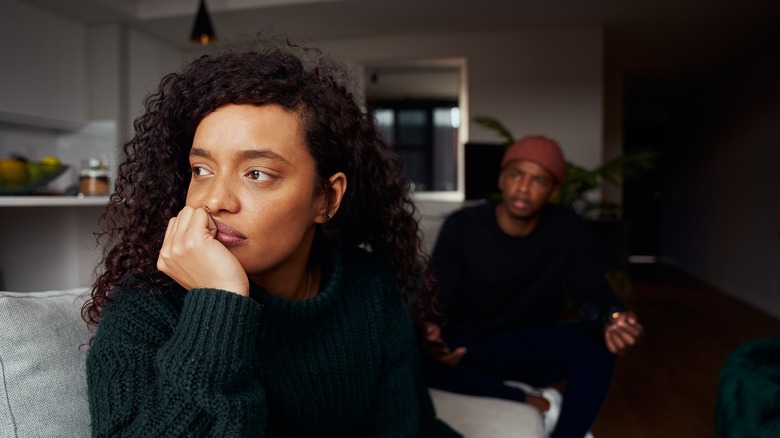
(591, 351)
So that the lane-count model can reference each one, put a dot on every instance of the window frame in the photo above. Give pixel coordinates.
(460, 64)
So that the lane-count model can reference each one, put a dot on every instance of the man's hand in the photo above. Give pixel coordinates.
(622, 332)
(438, 349)
(192, 256)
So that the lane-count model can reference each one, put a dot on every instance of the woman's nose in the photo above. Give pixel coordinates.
(222, 196)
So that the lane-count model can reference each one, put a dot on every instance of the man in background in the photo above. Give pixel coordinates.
(505, 271)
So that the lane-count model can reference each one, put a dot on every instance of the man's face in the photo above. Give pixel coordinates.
(526, 187)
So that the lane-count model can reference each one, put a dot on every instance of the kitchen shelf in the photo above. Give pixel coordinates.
(52, 201)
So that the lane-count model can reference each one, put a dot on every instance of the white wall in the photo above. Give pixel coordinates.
(538, 81)
(722, 220)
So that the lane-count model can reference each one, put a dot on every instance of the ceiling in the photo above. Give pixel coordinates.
(654, 38)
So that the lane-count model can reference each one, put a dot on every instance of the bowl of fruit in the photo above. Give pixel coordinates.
(19, 176)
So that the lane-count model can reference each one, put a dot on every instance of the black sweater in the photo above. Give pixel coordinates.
(490, 281)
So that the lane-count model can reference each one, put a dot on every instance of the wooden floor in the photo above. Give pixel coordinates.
(666, 386)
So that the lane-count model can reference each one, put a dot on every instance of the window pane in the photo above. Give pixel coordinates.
(385, 124)
(425, 134)
(445, 149)
(411, 128)
(416, 168)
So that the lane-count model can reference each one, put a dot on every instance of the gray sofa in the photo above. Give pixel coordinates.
(43, 387)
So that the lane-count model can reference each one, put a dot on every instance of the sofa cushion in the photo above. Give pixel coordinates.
(483, 417)
(42, 359)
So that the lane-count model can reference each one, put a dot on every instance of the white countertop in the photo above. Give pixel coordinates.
(52, 201)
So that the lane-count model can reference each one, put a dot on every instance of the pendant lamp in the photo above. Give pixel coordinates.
(202, 31)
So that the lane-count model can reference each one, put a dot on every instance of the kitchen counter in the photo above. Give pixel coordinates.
(52, 201)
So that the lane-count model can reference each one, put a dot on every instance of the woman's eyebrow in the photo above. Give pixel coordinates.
(198, 152)
(261, 153)
(243, 154)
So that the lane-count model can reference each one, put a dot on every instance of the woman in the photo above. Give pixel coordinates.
(262, 264)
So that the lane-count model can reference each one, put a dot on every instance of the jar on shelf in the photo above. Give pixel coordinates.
(93, 178)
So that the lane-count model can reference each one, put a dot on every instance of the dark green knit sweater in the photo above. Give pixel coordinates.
(213, 363)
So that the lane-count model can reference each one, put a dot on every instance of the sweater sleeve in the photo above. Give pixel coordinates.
(586, 279)
(153, 371)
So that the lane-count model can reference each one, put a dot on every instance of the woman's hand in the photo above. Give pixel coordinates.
(192, 256)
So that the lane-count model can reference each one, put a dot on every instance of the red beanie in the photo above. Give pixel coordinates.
(541, 150)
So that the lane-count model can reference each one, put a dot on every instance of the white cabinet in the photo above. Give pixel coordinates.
(43, 79)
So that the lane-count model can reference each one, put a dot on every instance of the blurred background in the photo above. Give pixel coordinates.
(693, 81)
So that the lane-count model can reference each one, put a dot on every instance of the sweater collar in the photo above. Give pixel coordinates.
(282, 315)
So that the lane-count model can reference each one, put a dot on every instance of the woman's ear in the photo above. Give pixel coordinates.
(332, 197)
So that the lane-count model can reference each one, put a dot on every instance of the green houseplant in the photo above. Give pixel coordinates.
(580, 182)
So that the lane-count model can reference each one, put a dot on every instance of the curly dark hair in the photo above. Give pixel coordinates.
(376, 211)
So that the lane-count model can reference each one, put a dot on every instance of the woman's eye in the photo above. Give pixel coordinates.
(258, 175)
(199, 171)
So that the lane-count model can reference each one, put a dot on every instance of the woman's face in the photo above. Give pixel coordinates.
(253, 173)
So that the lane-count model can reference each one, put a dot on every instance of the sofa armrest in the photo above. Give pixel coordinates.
(42, 364)
(483, 417)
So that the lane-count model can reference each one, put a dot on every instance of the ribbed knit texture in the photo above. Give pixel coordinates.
(212, 363)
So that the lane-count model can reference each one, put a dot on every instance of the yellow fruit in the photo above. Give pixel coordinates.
(13, 171)
(50, 160)
(49, 164)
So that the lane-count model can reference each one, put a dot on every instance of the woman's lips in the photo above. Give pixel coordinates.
(227, 235)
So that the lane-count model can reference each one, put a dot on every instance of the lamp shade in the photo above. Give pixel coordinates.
(202, 31)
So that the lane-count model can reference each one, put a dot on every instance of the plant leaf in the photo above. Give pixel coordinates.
(627, 165)
(496, 126)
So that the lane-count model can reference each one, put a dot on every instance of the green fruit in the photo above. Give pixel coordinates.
(35, 171)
